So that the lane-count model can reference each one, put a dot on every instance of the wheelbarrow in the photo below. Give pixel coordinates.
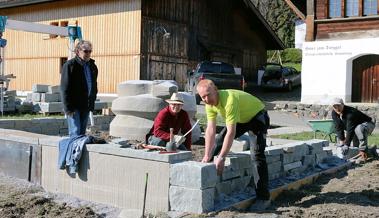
(324, 126)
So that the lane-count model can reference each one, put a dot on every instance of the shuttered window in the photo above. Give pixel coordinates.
(352, 8)
(370, 7)
(334, 8)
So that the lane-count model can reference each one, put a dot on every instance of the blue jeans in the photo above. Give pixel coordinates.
(77, 123)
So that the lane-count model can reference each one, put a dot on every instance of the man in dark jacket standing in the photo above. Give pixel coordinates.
(356, 124)
(79, 88)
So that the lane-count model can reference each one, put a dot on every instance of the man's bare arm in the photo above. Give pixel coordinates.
(228, 140)
(210, 134)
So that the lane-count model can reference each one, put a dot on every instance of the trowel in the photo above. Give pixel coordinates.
(179, 139)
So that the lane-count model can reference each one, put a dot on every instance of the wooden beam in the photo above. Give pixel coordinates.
(310, 28)
(295, 9)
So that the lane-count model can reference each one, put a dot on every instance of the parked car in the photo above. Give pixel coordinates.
(222, 74)
(278, 76)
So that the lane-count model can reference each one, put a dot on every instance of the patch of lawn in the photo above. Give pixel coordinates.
(372, 139)
(29, 116)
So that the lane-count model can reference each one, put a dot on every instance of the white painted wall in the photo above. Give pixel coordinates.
(327, 68)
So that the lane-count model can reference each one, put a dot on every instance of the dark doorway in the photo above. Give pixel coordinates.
(365, 81)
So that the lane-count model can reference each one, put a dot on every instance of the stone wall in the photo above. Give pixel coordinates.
(198, 183)
(50, 126)
(324, 111)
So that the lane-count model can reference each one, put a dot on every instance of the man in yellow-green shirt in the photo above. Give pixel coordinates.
(242, 113)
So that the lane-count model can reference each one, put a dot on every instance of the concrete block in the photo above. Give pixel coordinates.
(50, 107)
(316, 145)
(191, 200)
(238, 160)
(320, 157)
(224, 188)
(36, 97)
(189, 104)
(164, 88)
(240, 184)
(130, 127)
(29, 97)
(309, 160)
(134, 87)
(272, 158)
(246, 171)
(20, 124)
(99, 105)
(275, 167)
(274, 150)
(196, 132)
(192, 174)
(275, 176)
(12, 93)
(40, 88)
(146, 106)
(291, 166)
(230, 173)
(54, 89)
(291, 157)
(239, 146)
(7, 124)
(300, 148)
(46, 97)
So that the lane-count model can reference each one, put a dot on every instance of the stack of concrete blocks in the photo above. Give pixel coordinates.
(138, 103)
(295, 158)
(196, 188)
(45, 98)
(9, 103)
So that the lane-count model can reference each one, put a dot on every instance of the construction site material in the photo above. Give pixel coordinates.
(138, 104)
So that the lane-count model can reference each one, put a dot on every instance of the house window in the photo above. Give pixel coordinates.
(352, 8)
(334, 8)
(370, 7)
(51, 36)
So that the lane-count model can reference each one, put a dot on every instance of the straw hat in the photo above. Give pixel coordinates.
(176, 98)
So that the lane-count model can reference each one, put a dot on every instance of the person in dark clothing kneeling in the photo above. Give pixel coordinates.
(356, 124)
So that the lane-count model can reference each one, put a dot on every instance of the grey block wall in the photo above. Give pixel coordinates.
(50, 126)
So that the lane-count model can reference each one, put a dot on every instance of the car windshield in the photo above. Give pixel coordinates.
(209, 67)
(272, 71)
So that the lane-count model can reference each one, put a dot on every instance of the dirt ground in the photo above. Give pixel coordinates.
(18, 198)
(352, 193)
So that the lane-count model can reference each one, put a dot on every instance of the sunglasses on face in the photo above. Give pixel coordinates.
(87, 51)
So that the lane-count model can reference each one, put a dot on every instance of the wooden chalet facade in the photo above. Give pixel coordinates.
(130, 38)
(341, 49)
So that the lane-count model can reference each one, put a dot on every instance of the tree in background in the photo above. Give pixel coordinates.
(280, 17)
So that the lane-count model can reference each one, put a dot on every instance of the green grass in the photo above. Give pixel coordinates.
(372, 139)
(297, 66)
(28, 116)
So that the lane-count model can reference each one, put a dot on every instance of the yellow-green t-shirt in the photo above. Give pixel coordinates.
(234, 106)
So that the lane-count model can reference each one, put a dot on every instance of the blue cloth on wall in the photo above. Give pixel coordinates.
(70, 152)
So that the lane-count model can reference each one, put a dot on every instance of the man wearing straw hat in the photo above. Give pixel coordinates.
(174, 117)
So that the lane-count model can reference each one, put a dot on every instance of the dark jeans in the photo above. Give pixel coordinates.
(258, 125)
(77, 123)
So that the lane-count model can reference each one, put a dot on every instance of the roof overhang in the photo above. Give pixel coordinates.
(278, 43)
(299, 7)
(17, 3)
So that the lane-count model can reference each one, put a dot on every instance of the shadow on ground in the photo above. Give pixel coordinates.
(269, 95)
